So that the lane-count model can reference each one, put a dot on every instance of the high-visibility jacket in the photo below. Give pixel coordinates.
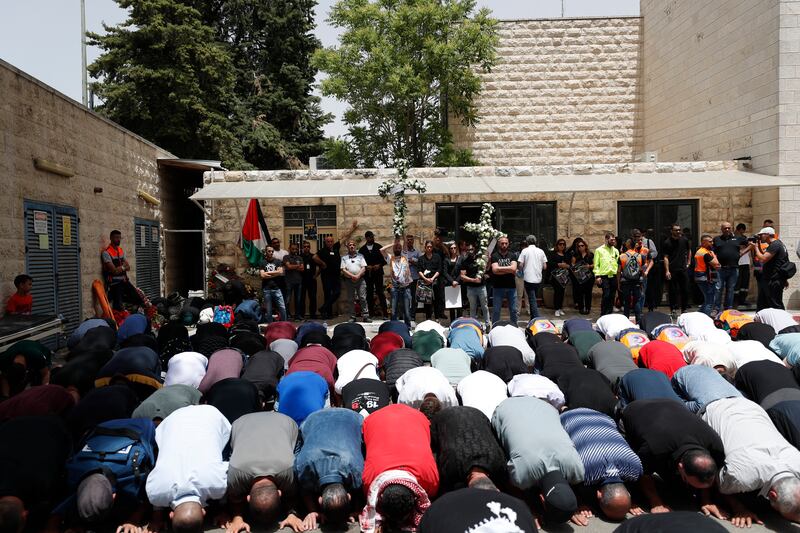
(117, 259)
(700, 267)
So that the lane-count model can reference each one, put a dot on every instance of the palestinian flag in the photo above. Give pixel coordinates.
(255, 235)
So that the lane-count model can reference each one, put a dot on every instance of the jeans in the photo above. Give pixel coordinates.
(309, 292)
(477, 295)
(609, 286)
(709, 290)
(643, 292)
(499, 295)
(295, 291)
(275, 295)
(632, 294)
(531, 289)
(726, 282)
(357, 288)
(331, 289)
(402, 296)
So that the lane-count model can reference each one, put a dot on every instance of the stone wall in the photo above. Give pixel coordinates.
(38, 122)
(710, 79)
(563, 91)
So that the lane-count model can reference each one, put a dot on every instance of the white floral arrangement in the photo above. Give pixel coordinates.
(396, 188)
(486, 232)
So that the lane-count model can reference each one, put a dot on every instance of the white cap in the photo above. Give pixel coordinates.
(766, 231)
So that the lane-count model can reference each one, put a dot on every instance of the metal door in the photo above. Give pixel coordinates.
(148, 257)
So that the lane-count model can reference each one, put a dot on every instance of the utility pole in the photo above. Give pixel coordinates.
(562, 8)
(84, 81)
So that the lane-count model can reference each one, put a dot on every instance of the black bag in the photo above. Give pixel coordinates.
(561, 276)
(787, 269)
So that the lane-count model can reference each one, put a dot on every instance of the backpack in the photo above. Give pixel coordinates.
(223, 314)
(124, 448)
(632, 271)
(787, 269)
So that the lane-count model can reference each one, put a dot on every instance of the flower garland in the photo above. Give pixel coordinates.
(486, 232)
(397, 188)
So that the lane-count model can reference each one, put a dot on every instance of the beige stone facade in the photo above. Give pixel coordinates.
(563, 91)
(38, 122)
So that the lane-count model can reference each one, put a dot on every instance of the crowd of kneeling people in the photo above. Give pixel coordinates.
(434, 430)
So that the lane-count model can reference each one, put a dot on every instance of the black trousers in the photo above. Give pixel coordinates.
(331, 289)
(558, 295)
(122, 292)
(655, 286)
(679, 290)
(438, 299)
(374, 279)
(308, 292)
(583, 294)
(609, 286)
(743, 285)
(770, 293)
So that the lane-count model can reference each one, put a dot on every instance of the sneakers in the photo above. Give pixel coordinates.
(559, 312)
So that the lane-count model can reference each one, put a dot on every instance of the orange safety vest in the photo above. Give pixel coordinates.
(700, 266)
(117, 258)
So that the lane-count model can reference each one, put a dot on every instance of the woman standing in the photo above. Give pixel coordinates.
(452, 271)
(559, 274)
(430, 273)
(476, 286)
(582, 275)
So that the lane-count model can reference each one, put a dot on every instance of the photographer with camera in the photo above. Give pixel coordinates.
(776, 270)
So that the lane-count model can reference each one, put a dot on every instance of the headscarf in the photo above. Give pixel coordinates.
(101, 405)
(37, 401)
(384, 343)
(286, 348)
(83, 328)
(164, 401)
(186, 368)
(279, 330)
(247, 342)
(234, 397)
(226, 363)
(264, 369)
(370, 518)
(133, 325)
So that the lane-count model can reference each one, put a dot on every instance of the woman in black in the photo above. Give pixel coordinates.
(582, 275)
(452, 273)
(558, 260)
(430, 272)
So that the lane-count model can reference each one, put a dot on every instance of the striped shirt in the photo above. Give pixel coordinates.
(602, 449)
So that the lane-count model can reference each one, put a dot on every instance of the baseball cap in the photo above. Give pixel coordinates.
(559, 500)
(95, 497)
(766, 231)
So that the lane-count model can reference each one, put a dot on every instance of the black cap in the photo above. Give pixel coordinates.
(559, 500)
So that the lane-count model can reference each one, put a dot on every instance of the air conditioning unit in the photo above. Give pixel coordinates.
(312, 163)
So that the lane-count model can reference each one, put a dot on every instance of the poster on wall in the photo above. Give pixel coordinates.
(66, 230)
(40, 222)
(310, 230)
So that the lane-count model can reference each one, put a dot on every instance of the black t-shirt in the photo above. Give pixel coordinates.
(365, 395)
(310, 268)
(728, 249)
(556, 358)
(234, 397)
(374, 256)
(471, 267)
(587, 388)
(503, 281)
(270, 266)
(756, 331)
(660, 431)
(677, 251)
(478, 510)
(779, 257)
(759, 379)
(332, 259)
(504, 362)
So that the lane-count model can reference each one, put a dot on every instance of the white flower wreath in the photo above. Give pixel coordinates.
(486, 232)
(397, 188)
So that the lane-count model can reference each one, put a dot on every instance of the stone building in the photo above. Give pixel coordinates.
(589, 125)
(70, 176)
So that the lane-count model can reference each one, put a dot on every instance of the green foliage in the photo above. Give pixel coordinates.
(337, 154)
(215, 78)
(450, 156)
(403, 66)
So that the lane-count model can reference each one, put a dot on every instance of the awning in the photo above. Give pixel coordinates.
(560, 183)
(192, 164)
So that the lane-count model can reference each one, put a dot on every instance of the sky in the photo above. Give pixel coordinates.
(42, 37)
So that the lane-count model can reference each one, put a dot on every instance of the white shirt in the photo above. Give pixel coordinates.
(454, 363)
(536, 386)
(417, 382)
(533, 261)
(777, 318)
(189, 467)
(611, 325)
(695, 324)
(353, 264)
(744, 352)
(482, 390)
(512, 336)
(715, 336)
(186, 368)
(280, 254)
(351, 363)
(709, 354)
(430, 325)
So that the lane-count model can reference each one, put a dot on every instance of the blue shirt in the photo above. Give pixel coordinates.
(467, 339)
(699, 385)
(300, 394)
(645, 384)
(605, 454)
(331, 451)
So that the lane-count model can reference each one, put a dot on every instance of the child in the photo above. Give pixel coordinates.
(21, 302)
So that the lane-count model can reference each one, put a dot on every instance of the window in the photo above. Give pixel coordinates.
(516, 219)
(294, 216)
(658, 216)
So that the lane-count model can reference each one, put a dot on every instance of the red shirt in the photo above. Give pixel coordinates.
(317, 359)
(384, 343)
(19, 305)
(661, 356)
(398, 437)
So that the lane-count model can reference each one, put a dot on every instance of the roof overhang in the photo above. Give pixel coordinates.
(191, 164)
(562, 183)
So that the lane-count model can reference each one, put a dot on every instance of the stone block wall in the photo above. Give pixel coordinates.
(563, 91)
(38, 122)
(710, 79)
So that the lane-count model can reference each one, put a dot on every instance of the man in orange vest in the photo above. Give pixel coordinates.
(705, 272)
(115, 268)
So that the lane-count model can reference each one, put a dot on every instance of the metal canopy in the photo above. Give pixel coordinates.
(192, 164)
(722, 179)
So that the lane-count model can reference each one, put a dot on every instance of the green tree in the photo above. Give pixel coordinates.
(337, 153)
(164, 76)
(277, 118)
(403, 67)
